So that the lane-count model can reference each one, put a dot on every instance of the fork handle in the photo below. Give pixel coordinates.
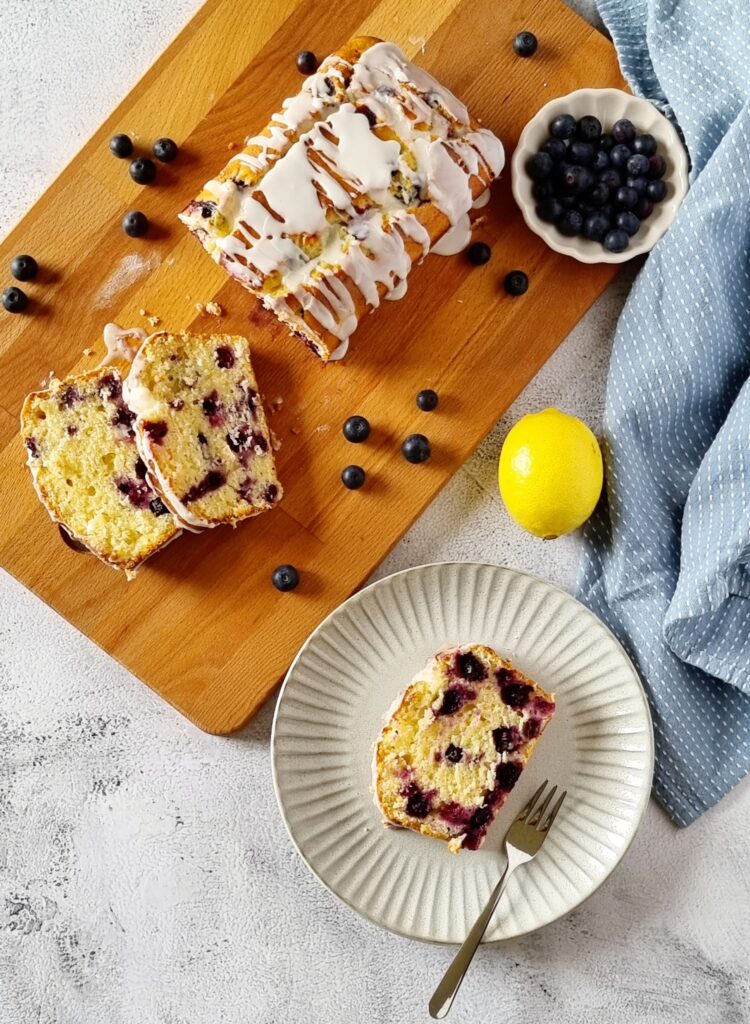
(445, 993)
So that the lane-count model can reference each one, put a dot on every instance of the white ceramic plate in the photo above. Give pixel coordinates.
(599, 746)
(609, 105)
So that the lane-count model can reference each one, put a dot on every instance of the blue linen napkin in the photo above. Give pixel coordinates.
(667, 555)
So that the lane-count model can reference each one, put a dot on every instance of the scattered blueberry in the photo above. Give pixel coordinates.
(307, 62)
(570, 223)
(619, 156)
(14, 300)
(616, 240)
(142, 170)
(626, 198)
(353, 477)
(416, 448)
(427, 400)
(638, 165)
(356, 429)
(525, 44)
(121, 146)
(656, 191)
(453, 753)
(556, 148)
(540, 166)
(516, 282)
(563, 127)
(135, 224)
(645, 144)
(628, 221)
(23, 268)
(657, 166)
(285, 577)
(589, 128)
(623, 131)
(478, 253)
(165, 150)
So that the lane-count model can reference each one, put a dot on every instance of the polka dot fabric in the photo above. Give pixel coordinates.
(667, 555)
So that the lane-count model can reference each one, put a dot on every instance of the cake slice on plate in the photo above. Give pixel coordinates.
(201, 429)
(456, 743)
(87, 472)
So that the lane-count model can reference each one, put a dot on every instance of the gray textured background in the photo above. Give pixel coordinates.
(145, 876)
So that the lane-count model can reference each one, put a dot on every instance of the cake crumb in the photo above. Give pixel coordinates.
(88, 351)
(231, 145)
(276, 402)
(295, 430)
(323, 428)
(419, 41)
(142, 312)
(199, 307)
(214, 309)
(275, 442)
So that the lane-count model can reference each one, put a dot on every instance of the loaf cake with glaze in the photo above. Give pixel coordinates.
(323, 214)
(456, 743)
(86, 469)
(201, 429)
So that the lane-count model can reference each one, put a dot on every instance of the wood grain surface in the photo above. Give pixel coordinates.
(201, 623)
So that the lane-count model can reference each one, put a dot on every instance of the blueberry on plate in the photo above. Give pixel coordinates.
(589, 128)
(121, 145)
(628, 221)
(598, 194)
(427, 400)
(637, 165)
(356, 429)
(142, 170)
(285, 577)
(570, 223)
(479, 253)
(550, 209)
(563, 127)
(416, 448)
(623, 131)
(600, 161)
(525, 44)
(556, 149)
(581, 153)
(516, 283)
(24, 267)
(165, 150)
(656, 191)
(307, 62)
(610, 178)
(645, 144)
(14, 300)
(619, 156)
(639, 184)
(540, 166)
(657, 166)
(596, 225)
(626, 198)
(353, 477)
(542, 189)
(606, 142)
(644, 208)
(135, 224)
(616, 240)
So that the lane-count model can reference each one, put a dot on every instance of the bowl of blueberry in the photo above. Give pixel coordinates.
(599, 175)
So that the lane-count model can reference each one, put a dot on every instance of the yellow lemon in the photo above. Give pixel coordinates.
(550, 473)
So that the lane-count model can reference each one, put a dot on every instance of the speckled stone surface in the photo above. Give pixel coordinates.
(145, 875)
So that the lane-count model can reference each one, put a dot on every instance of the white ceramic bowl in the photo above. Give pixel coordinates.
(609, 105)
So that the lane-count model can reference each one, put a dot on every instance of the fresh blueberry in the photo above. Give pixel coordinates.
(353, 477)
(540, 166)
(581, 153)
(596, 225)
(142, 170)
(285, 577)
(600, 161)
(656, 191)
(427, 400)
(619, 156)
(589, 128)
(628, 221)
(550, 209)
(563, 127)
(657, 167)
(416, 448)
(575, 178)
(121, 146)
(165, 150)
(639, 184)
(623, 131)
(637, 165)
(611, 178)
(543, 189)
(626, 198)
(307, 62)
(478, 253)
(356, 429)
(606, 142)
(569, 202)
(516, 283)
(525, 44)
(135, 224)
(570, 223)
(645, 144)
(598, 194)
(556, 149)
(14, 300)
(23, 268)
(453, 753)
(644, 208)
(616, 240)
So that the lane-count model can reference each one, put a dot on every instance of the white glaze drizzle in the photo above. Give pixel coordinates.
(481, 200)
(121, 343)
(455, 240)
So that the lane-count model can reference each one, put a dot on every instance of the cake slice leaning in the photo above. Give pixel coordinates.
(456, 743)
(87, 472)
(201, 429)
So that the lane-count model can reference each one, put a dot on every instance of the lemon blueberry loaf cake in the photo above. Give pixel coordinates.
(456, 743)
(201, 429)
(87, 472)
(322, 214)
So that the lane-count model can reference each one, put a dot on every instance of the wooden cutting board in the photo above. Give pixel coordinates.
(201, 623)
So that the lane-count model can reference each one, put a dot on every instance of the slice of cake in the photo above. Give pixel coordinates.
(456, 743)
(201, 429)
(323, 214)
(87, 471)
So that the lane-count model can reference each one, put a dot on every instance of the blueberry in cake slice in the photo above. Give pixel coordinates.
(456, 743)
(86, 469)
(201, 429)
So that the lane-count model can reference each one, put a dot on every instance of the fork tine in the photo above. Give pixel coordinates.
(553, 813)
(523, 815)
(538, 814)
